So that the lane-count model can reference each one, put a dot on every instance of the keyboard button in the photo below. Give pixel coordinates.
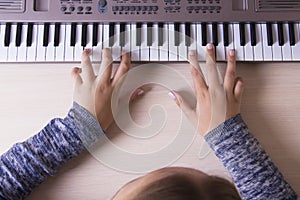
(176, 34)
(84, 33)
(154, 49)
(97, 47)
(248, 48)
(203, 34)
(138, 34)
(144, 48)
(215, 39)
(286, 48)
(127, 38)
(149, 34)
(19, 34)
(12, 49)
(122, 34)
(240, 53)
(292, 34)
(160, 34)
(57, 34)
(95, 34)
(172, 47)
(182, 48)
(164, 48)
(280, 34)
(50, 50)
(78, 48)
(201, 50)
(258, 48)
(29, 34)
(41, 49)
(193, 38)
(135, 53)
(73, 34)
(187, 34)
(242, 34)
(225, 34)
(22, 49)
(111, 34)
(7, 34)
(46, 34)
(3, 48)
(220, 48)
(253, 34)
(116, 48)
(277, 49)
(270, 34)
(230, 40)
(296, 47)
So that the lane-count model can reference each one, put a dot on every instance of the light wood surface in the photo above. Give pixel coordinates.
(33, 94)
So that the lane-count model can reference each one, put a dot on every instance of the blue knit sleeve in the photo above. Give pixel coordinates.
(252, 170)
(27, 164)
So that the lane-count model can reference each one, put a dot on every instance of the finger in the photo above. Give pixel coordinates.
(86, 66)
(238, 88)
(184, 106)
(138, 92)
(230, 73)
(201, 89)
(106, 66)
(212, 73)
(123, 68)
(76, 75)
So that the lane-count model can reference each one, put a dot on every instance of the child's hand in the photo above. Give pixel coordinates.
(216, 102)
(94, 92)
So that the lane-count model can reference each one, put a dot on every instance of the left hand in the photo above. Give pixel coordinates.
(94, 92)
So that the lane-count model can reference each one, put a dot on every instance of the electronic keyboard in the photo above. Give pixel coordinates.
(151, 30)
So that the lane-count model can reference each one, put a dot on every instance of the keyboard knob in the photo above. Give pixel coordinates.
(102, 3)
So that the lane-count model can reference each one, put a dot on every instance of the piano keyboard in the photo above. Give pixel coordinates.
(151, 30)
(60, 42)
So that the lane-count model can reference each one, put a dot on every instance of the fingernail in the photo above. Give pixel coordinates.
(209, 46)
(172, 95)
(88, 51)
(140, 92)
(192, 53)
(231, 52)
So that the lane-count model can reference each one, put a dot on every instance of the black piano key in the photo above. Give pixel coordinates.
(215, 34)
(138, 34)
(160, 34)
(46, 34)
(280, 34)
(95, 34)
(226, 34)
(73, 34)
(204, 34)
(56, 34)
(187, 30)
(253, 34)
(149, 34)
(270, 34)
(29, 34)
(111, 34)
(84, 34)
(122, 34)
(7, 34)
(18, 35)
(176, 33)
(242, 34)
(292, 37)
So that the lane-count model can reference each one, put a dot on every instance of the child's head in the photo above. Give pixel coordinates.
(178, 183)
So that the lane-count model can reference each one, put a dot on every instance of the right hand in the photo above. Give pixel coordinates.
(216, 102)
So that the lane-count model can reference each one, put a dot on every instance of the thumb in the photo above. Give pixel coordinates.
(184, 106)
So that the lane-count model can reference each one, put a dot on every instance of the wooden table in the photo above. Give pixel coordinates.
(32, 94)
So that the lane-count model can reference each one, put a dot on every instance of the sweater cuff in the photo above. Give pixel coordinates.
(221, 132)
(89, 130)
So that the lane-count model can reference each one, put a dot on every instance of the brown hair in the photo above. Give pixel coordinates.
(173, 185)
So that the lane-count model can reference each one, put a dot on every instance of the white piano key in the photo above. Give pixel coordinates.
(154, 50)
(286, 48)
(296, 48)
(277, 50)
(50, 50)
(182, 48)
(60, 49)
(258, 49)
(135, 50)
(127, 35)
(172, 48)
(209, 33)
(22, 49)
(164, 49)
(240, 53)
(201, 50)
(69, 50)
(32, 50)
(106, 36)
(230, 40)
(248, 48)
(3, 49)
(97, 50)
(144, 49)
(12, 49)
(220, 49)
(89, 37)
(78, 48)
(267, 50)
(116, 49)
(41, 50)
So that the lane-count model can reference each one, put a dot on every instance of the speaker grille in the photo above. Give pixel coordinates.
(12, 6)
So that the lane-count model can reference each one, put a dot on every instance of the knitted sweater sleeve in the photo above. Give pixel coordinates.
(252, 170)
(25, 165)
